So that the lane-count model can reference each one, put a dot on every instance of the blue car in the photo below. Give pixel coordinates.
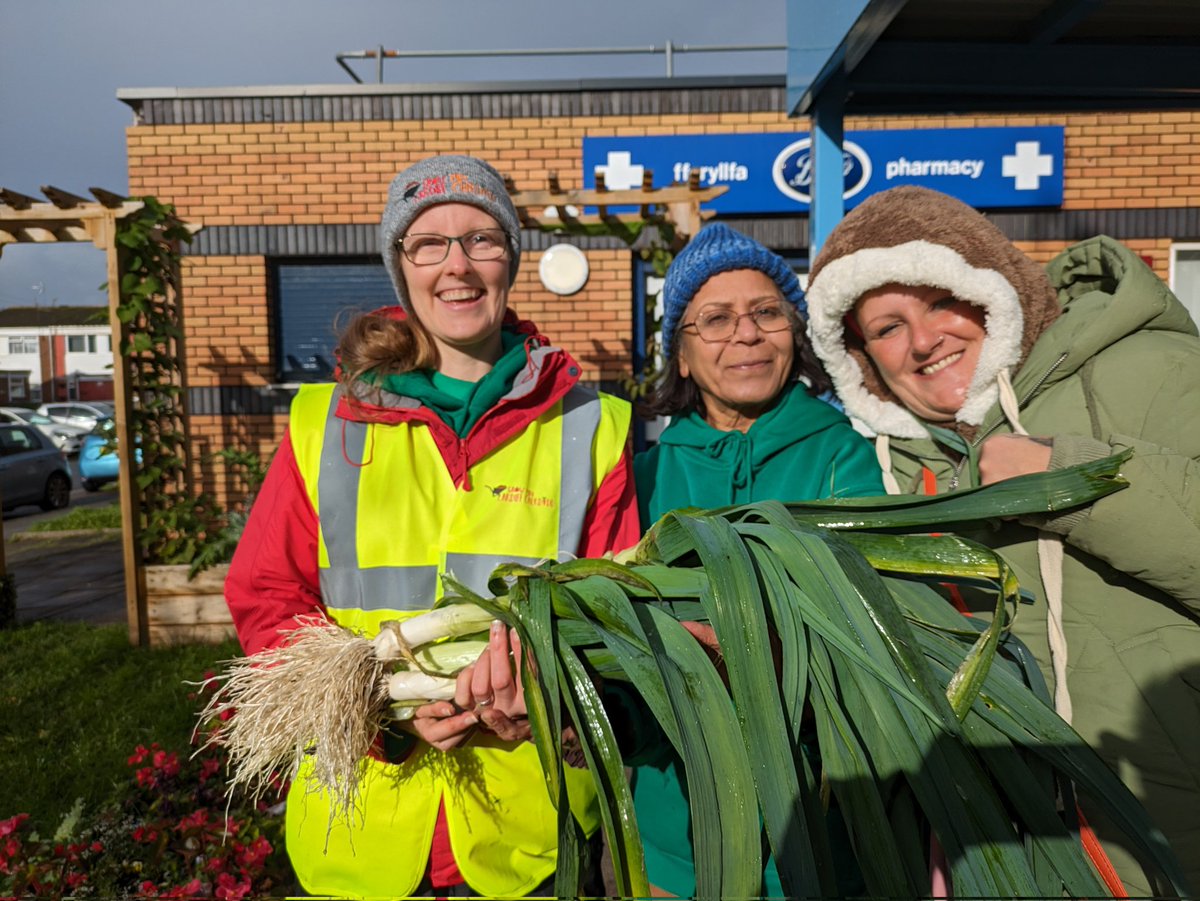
(98, 461)
(32, 470)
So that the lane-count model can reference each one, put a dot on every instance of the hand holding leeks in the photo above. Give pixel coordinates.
(495, 688)
(486, 694)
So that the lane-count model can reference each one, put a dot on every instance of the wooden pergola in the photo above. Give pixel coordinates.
(677, 205)
(68, 218)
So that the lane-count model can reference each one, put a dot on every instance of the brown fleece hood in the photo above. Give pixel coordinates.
(922, 238)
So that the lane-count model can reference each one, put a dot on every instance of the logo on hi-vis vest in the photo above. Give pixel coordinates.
(511, 494)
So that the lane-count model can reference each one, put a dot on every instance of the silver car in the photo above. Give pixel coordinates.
(82, 413)
(32, 470)
(67, 438)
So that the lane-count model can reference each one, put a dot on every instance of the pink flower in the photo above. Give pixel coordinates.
(138, 756)
(146, 777)
(195, 820)
(208, 769)
(11, 825)
(142, 834)
(255, 853)
(168, 763)
(230, 888)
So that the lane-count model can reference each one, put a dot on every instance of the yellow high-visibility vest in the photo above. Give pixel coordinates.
(391, 522)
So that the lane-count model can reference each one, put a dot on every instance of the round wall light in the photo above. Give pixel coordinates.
(563, 269)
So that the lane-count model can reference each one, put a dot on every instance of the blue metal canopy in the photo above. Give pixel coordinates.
(864, 57)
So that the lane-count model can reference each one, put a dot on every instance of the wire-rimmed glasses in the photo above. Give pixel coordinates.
(430, 248)
(713, 326)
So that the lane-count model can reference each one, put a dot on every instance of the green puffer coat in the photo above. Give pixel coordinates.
(1120, 369)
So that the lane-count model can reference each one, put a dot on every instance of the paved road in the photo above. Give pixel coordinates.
(65, 577)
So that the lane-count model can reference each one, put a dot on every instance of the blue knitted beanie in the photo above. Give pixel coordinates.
(719, 248)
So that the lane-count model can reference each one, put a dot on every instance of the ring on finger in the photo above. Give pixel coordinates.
(486, 702)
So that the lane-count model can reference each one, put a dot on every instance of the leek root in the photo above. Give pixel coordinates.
(326, 692)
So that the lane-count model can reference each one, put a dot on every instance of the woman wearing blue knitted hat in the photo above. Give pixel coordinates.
(741, 385)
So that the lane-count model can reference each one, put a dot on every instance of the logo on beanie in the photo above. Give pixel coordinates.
(793, 170)
(442, 185)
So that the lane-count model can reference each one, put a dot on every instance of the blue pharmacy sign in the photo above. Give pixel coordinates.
(772, 173)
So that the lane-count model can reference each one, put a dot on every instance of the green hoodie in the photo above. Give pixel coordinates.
(801, 449)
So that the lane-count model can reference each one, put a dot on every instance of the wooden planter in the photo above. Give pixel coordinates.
(183, 611)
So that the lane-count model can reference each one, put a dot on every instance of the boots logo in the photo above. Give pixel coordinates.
(792, 170)
(512, 494)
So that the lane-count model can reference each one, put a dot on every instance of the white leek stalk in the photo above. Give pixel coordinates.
(451, 621)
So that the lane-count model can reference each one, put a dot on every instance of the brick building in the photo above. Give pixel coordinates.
(289, 183)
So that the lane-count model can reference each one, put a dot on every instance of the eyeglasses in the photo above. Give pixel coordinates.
(714, 326)
(429, 249)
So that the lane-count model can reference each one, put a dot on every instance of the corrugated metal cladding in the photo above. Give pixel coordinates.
(460, 104)
(329, 240)
(783, 234)
(239, 400)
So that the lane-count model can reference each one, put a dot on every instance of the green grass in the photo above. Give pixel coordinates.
(83, 518)
(75, 700)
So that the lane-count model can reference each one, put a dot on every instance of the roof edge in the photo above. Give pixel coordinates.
(135, 95)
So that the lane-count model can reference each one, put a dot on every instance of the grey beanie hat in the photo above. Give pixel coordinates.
(445, 179)
(719, 248)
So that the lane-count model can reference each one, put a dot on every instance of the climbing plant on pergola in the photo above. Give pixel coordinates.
(140, 238)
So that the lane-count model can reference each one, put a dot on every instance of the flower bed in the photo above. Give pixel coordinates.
(174, 835)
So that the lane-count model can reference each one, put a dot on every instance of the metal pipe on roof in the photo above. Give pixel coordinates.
(669, 49)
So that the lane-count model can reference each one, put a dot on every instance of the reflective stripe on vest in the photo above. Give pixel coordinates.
(347, 448)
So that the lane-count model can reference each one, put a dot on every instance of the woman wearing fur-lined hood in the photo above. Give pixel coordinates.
(971, 364)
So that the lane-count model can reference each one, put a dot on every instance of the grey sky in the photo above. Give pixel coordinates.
(63, 61)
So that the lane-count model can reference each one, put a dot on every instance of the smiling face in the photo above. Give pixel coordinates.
(925, 344)
(461, 302)
(738, 378)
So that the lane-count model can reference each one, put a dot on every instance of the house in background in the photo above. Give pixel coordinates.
(54, 353)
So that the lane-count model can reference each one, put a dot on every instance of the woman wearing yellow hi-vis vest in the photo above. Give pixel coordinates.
(455, 438)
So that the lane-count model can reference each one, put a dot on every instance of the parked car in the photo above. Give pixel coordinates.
(84, 414)
(32, 469)
(98, 461)
(66, 438)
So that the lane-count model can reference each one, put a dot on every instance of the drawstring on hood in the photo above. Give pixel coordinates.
(916, 237)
